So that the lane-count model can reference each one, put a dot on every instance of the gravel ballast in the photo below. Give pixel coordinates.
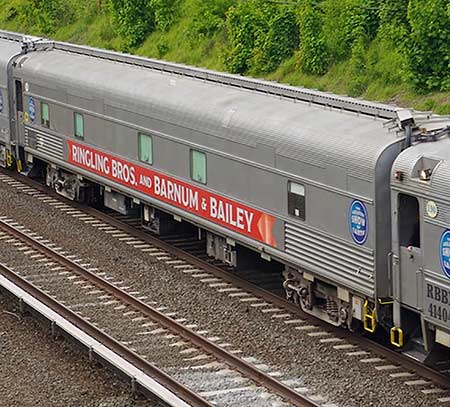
(36, 370)
(324, 370)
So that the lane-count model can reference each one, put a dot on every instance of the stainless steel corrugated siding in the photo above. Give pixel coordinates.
(354, 266)
(440, 183)
(312, 134)
(439, 186)
(52, 146)
(405, 163)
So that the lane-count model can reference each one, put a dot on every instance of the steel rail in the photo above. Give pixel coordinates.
(352, 337)
(152, 371)
(233, 361)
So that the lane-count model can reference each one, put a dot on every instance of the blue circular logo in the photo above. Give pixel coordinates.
(1, 101)
(31, 109)
(444, 252)
(359, 224)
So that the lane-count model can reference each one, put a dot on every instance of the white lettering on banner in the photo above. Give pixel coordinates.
(101, 163)
(145, 181)
(175, 192)
(94, 161)
(221, 210)
(228, 213)
(123, 172)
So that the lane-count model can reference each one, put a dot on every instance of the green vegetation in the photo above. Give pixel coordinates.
(388, 50)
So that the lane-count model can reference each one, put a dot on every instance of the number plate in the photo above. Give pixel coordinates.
(436, 302)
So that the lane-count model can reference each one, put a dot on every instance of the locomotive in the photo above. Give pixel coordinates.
(350, 198)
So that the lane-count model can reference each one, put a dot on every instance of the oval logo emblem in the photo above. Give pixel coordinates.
(358, 220)
(444, 252)
(432, 209)
(31, 109)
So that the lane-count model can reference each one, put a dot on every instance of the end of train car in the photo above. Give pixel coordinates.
(420, 261)
(10, 49)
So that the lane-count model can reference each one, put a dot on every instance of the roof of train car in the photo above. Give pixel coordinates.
(434, 153)
(314, 135)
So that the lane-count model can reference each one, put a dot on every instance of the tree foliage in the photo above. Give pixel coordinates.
(208, 17)
(260, 34)
(313, 54)
(394, 20)
(135, 19)
(374, 41)
(428, 50)
(343, 21)
(48, 15)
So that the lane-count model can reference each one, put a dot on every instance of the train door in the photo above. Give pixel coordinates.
(19, 110)
(410, 252)
(19, 127)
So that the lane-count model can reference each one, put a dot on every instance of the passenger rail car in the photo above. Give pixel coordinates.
(351, 197)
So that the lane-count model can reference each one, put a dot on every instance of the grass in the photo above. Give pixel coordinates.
(383, 77)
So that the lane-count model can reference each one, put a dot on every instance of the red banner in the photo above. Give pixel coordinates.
(213, 207)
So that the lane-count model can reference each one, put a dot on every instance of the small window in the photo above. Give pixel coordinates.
(78, 125)
(45, 115)
(408, 221)
(296, 200)
(198, 166)
(145, 148)
(19, 96)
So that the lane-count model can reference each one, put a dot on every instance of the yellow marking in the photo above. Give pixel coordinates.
(397, 337)
(369, 318)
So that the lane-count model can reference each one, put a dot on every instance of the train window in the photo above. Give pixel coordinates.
(45, 114)
(198, 166)
(78, 125)
(19, 96)
(408, 221)
(296, 200)
(146, 148)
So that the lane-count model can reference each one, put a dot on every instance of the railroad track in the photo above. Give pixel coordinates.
(125, 317)
(394, 363)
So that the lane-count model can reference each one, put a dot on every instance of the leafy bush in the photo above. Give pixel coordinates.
(136, 19)
(243, 23)
(260, 36)
(46, 16)
(358, 66)
(208, 17)
(394, 21)
(163, 13)
(343, 21)
(428, 49)
(313, 54)
(277, 42)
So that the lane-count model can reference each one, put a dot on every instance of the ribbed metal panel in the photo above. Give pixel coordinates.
(352, 265)
(405, 163)
(439, 186)
(52, 146)
(310, 134)
(440, 183)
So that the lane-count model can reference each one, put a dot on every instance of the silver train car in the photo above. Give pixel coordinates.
(351, 198)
